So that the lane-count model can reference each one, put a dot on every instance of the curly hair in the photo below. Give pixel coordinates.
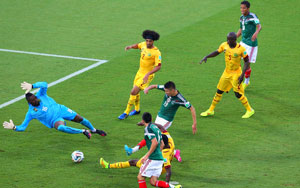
(148, 34)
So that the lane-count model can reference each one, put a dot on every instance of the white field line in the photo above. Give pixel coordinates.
(99, 62)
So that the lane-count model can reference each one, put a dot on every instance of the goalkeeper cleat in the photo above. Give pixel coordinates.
(177, 155)
(123, 116)
(103, 163)
(87, 134)
(128, 150)
(207, 113)
(248, 114)
(100, 132)
(134, 112)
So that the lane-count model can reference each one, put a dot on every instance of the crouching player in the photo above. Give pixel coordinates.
(167, 152)
(51, 114)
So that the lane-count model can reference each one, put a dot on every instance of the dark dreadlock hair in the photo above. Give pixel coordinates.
(148, 34)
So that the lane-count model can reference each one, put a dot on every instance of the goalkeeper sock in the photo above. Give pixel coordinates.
(137, 103)
(215, 101)
(120, 165)
(131, 101)
(88, 124)
(245, 102)
(69, 130)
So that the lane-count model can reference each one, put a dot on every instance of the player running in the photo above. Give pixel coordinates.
(167, 152)
(150, 63)
(51, 114)
(249, 29)
(233, 75)
(153, 161)
(173, 99)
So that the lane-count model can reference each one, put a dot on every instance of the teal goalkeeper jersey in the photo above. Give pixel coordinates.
(248, 25)
(151, 132)
(171, 104)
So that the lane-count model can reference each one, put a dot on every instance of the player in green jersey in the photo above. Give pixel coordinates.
(153, 160)
(173, 99)
(249, 29)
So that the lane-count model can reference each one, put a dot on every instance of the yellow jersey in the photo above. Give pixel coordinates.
(168, 153)
(233, 57)
(150, 58)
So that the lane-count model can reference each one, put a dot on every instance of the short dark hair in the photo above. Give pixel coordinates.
(148, 34)
(170, 85)
(147, 117)
(165, 139)
(246, 3)
(28, 95)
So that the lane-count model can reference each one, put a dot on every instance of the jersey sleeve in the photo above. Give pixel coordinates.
(157, 59)
(140, 45)
(150, 133)
(255, 19)
(43, 88)
(25, 123)
(161, 87)
(184, 102)
(221, 48)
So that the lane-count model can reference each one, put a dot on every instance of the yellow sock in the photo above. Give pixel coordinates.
(215, 101)
(120, 165)
(131, 101)
(245, 102)
(137, 103)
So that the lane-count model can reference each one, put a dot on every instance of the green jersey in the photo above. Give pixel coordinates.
(151, 132)
(171, 104)
(248, 25)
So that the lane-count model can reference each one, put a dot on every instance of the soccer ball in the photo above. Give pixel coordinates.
(77, 156)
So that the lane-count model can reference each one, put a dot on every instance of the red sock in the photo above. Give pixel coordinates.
(162, 184)
(247, 73)
(142, 184)
(142, 143)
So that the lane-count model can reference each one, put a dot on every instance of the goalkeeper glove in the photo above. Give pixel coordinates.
(9, 125)
(26, 86)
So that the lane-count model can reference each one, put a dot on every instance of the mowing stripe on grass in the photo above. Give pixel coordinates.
(99, 62)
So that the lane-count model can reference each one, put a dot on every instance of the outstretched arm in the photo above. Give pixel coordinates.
(134, 46)
(149, 88)
(22, 127)
(213, 54)
(151, 150)
(43, 87)
(254, 36)
(154, 70)
(194, 126)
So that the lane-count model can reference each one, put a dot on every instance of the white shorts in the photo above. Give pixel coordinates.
(151, 168)
(251, 51)
(161, 121)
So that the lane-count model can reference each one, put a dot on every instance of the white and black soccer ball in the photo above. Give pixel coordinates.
(77, 156)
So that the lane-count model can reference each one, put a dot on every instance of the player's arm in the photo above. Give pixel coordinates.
(213, 54)
(149, 88)
(194, 126)
(22, 127)
(239, 33)
(246, 66)
(43, 87)
(254, 36)
(151, 150)
(154, 70)
(134, 46)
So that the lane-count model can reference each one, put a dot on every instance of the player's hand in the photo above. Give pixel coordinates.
(146, 91)
(144, 159)
(194, 127)
(127, 48)
(9, 125)
(203, 60)
(145, 79)
(253, 38)
(26, 86)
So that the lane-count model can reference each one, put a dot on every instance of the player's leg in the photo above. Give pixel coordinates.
(133, 95)
(125, 164)
(129, 150)
(60, 125)
(240, 94)
(87, 123)
(223, 85)
(141, 181)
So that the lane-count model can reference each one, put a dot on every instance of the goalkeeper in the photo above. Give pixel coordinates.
(48, 112)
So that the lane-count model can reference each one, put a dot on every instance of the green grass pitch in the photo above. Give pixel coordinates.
(227, 151)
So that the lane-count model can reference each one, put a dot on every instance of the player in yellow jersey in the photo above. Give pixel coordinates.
(150, 62)
(233, 74)
(167, 152)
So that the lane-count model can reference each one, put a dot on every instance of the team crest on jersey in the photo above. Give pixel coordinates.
(149, 54)
(35, 109)
(235, 55)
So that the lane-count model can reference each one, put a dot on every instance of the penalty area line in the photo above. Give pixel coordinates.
(58, 81)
